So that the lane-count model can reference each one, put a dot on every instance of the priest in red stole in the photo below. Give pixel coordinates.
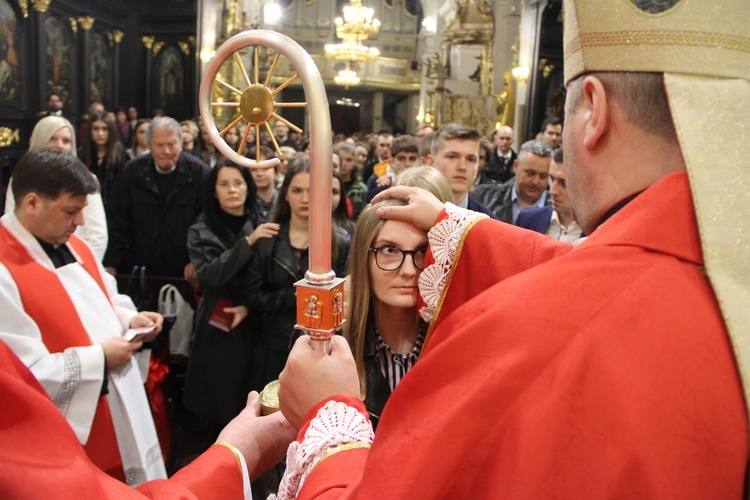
(62, 315)
(611, 369)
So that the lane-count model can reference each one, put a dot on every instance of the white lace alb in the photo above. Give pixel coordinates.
(444, 239)
(335, 424)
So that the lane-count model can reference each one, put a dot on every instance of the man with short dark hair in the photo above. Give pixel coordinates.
(527, 189)
(455, 153)
(155, 199)
(554, 220)
(62, 315)
(56, 107)
(552, 128)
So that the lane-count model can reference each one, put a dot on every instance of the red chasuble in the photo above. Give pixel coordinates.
(42, 458)
(603, 373)
(47, 302)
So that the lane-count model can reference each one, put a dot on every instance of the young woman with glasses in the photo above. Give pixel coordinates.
(384, 329)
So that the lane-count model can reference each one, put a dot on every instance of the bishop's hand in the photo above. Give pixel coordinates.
(311, 376)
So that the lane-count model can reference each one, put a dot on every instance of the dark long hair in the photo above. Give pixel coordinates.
(115, 151)
(213, 210)
(299, 163)
(340, 214)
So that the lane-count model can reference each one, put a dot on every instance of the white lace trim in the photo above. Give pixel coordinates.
(334, 425)
(444, 239)
(71, 379)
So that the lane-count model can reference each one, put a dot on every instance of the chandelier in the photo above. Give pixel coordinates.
(347, 77)
(356, 26)
(357, 22)
(351, 52)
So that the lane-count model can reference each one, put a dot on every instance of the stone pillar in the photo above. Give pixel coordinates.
(36, 51)
(377, 111)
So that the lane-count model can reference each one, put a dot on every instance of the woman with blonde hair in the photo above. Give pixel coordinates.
(383, 328)
(57, 132)
(427, 178)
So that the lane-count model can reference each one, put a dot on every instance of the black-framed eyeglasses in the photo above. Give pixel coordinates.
(390, 258)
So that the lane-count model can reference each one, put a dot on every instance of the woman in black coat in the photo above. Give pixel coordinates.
(279, 263)
(221, 245)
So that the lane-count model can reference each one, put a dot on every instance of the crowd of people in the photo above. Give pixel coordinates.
(587, 353)
(172, 205)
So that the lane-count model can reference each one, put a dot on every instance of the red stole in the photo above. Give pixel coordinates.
(47, 302)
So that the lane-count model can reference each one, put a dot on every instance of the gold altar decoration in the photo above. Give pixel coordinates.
(9, 136)
(73, 25)
(148, 41)
(184, 47)
(40, 6)
(157, 48)
(506, 102)
(117, 35)
(24, 4)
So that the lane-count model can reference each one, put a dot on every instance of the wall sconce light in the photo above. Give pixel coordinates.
(520, 73)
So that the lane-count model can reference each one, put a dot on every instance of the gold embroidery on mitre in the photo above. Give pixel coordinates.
(691, 38)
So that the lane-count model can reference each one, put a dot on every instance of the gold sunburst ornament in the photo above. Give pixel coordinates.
(256, 104)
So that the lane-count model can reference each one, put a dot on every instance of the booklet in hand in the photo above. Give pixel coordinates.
(138, 334)
(220, 319)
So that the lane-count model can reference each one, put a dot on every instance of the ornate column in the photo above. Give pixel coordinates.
(190, 98)
(85, 23)
(36, 49)
(148, 43)
(117, 36)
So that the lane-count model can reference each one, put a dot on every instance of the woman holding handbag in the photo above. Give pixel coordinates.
(221, 245)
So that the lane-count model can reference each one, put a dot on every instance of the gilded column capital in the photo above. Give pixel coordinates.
(148, 41)
(184, 47)
(157, 47)
(117, 35)
(191, 40)
(24, 4)
(73, 25)
(86, 22)
(40, 5)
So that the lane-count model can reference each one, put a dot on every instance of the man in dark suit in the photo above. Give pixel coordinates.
(55, 107)
(527, 189)
(500, 166)
(455, 152)
(554, 220)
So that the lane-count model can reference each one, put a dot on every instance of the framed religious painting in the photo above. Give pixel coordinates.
(171, 71)
(10, 55)
(100, 74)
(57, 72)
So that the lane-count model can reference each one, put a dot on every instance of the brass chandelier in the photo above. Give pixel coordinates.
(356, 26)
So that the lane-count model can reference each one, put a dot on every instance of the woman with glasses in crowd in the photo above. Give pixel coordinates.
(384, 329)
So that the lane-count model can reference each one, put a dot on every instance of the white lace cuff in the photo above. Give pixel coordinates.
(444, 240)
(336, 424)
